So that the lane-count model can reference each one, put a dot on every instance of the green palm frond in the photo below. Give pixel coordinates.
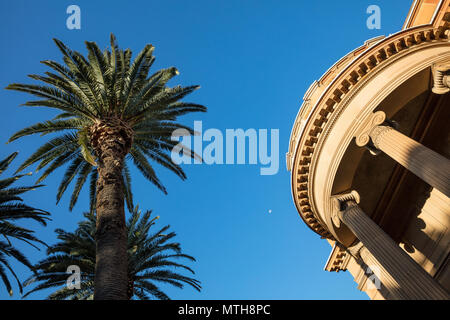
(104, 85)
(12, 210)
(152, 259)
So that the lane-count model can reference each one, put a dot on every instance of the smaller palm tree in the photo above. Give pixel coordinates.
(150, 261)
(12, 209)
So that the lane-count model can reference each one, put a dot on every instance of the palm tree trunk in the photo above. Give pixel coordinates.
(111, 273)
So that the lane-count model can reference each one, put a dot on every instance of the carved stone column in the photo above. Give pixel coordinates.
(425, 163)
(397, 271)
(441, 78)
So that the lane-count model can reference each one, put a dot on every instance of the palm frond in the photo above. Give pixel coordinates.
(95, 89)
(13, 210)
(148, 263)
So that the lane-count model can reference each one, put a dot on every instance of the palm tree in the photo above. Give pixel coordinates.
(12, 209)
(111, 110)
(150, 260)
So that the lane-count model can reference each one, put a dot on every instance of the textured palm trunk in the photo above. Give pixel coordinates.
(111, 142)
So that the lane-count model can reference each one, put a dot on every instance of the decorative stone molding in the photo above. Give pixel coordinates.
(363, 133)
(340, 203)
(355, 250)
(338, 259)
(441, 78)
(304, 142)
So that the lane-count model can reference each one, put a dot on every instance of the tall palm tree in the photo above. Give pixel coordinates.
(12, 209)
(110, 110)
(150, 260)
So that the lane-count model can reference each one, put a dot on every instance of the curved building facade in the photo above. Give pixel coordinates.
(369, 159)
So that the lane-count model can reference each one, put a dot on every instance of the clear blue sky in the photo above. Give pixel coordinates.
(254, 61)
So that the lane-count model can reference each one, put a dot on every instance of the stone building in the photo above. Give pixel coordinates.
(369, 159)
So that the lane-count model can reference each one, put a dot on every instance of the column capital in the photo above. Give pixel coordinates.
(425, 163)
(377, 134)
(363, 133)
(355, 250)
(441, 78)
(340, 203)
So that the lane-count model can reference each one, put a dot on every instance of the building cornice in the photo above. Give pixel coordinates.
(316, 111)
(338, 259)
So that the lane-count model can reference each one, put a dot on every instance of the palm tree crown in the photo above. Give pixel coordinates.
(12, 209)
(103, 95)
(150, 260)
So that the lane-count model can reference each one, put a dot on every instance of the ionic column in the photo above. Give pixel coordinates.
(425, 163)
(397, 271)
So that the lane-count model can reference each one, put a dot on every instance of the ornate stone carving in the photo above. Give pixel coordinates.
(363, 133)
(441, 78)
(340, 203)
(355, 250)
(338, 259)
